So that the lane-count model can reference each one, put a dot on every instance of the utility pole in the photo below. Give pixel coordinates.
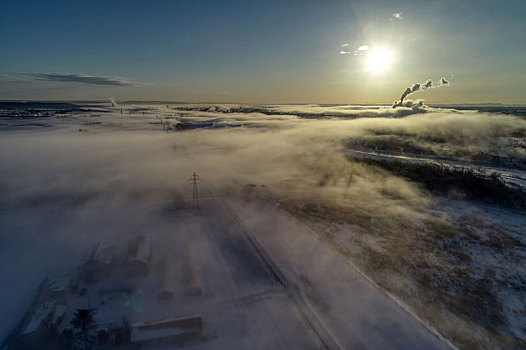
(194, 181)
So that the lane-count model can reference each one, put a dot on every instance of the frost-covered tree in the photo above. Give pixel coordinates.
(84, 321)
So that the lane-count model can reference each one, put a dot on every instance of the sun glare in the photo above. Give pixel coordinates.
(378, 61)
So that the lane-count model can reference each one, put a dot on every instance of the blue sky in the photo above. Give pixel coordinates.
(261, 51)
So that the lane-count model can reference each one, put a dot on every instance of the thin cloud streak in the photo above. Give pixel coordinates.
(83, 79)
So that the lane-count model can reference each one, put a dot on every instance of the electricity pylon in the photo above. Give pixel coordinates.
(194, 181)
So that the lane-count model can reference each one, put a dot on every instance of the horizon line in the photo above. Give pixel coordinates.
(242, 103)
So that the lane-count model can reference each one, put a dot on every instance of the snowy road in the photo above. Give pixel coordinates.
(351, 308)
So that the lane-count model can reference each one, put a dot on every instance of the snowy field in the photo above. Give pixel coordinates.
(319, 226)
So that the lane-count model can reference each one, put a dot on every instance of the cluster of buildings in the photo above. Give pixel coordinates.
(106, 287)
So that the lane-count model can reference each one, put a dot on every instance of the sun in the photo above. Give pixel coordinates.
(379, 60)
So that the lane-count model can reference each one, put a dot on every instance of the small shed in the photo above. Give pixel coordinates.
(139, 255)
(100, 264)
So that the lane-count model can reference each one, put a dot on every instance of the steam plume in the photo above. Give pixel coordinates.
(443, 82)
(418, 87)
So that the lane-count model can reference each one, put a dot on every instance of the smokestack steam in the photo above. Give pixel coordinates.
(417, 87)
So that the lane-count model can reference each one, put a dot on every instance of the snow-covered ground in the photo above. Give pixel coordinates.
(265, 280)
(512, 177)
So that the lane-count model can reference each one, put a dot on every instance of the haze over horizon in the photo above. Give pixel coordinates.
(271, 52)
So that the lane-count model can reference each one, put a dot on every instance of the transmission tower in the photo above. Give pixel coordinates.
(194, 181)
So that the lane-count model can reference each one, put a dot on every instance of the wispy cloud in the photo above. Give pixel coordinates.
(356, 52)
(359, 51)
(397, 15)
(83, 79)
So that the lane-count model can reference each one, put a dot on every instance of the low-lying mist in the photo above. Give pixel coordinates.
(63, 190)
